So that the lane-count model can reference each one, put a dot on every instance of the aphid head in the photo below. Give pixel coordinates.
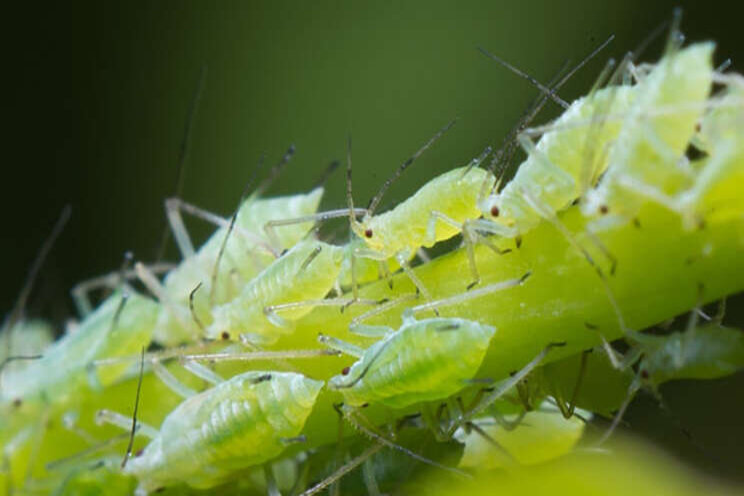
(367, 231)
(493, 209)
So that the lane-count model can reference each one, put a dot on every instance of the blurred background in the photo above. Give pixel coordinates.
(98, 95)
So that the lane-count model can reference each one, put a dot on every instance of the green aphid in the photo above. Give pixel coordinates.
(219, 433)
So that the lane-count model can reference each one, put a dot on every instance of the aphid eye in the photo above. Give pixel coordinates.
(345, 371)
(495, 211)
(698, 127)
(225, 335)
(644, 373)
(139, 452)
(17, 402)
(368, 233)
(603, 209)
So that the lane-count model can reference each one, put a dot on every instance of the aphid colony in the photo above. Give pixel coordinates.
(241, 297)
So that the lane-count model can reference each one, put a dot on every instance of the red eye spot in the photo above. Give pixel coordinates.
(603, 209)
(225, 336)
(368, 233)
(495, 211)
(17, 402)
(139, 452)
(644, 373)
(698, 127)
(345, 371)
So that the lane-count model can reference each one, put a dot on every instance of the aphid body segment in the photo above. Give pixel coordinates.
(66, 371)
(239, 423)
(307, 272)
(648, 157)
(242, 260)
(425, 360)
(410, 225)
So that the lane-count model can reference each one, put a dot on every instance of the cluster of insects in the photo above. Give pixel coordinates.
(204, 352)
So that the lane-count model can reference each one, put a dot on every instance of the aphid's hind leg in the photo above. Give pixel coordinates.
(403, 262)
(470, 237)
(202, 372)
(461, 298)
(174, 206)
(360, 423)
(546, 213)
(341, 472)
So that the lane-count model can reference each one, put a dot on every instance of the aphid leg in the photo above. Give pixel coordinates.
(271, 311)
(384, 272)
(545, 212)
(632, 390)
(81, 291)
(176, 205)
(360, 423)
(153, 285)
(502, 387)
(338, 474)
(423, 256)
(171, 381)
(356, 326)
(70, 423)
(123, 422)
(568, 410)
(202, 372)
(270, 227)
(342, 346)
(403, 262)
(461, 298)
(472, 425)
(368, 473)
(470, 237)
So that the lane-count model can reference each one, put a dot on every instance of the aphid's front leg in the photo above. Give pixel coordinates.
(271, 310)
(357, 327)
(342, 346)
(270, 227)
(181, 314)
(125, 423)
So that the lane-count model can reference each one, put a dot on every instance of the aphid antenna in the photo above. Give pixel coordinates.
(508, 145)
(195, 317)
(375, 201)
(183, 153)
(231, 226)
(20, 305)
(224, 356)
(326, 174)
(101, 446)
(547, 91)
(134, 413)
(273, 174)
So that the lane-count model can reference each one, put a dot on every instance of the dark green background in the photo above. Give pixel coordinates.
(97, 96)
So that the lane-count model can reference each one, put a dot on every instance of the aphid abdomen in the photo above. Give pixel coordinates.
(237, 424)
(403, 229)
(307, 272)
(425, 360)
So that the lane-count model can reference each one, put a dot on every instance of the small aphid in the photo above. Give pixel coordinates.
(395, 373)
(219, 433)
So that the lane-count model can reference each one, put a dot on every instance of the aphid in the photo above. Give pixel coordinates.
(214, 435)
(243, 255)
(413, 364)
(285, 291)
(656, 131)
(704, 351)
(119, 326)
